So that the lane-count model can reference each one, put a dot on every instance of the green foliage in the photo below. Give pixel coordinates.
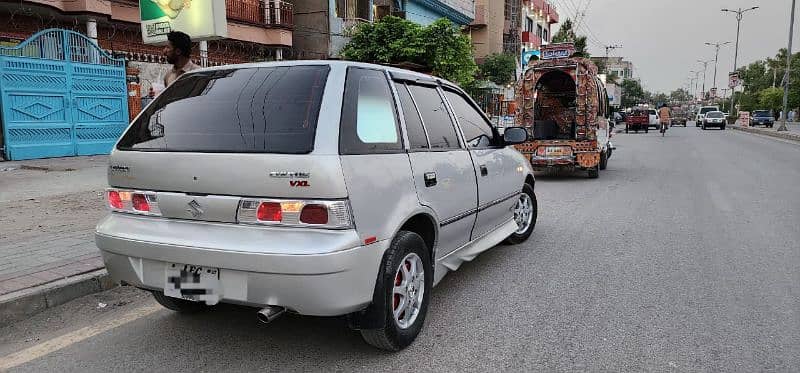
(499, 68)
(566, 34)
(771, 98)
(760, 77)
(612, 78)
(632, 93)
(440, 47)
(679, 96)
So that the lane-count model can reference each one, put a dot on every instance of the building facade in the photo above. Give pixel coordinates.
(258, 30)
(323, 26)
(615, 65)
(518, 27)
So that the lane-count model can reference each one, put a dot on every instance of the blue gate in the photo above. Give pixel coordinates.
(61, 95)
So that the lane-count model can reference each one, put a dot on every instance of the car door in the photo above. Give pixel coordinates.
(499, 183)
(441, 167)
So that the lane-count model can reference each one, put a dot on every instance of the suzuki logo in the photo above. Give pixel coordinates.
(194, 209)
(299, 183)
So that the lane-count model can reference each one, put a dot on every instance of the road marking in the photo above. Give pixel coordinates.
(66, 340)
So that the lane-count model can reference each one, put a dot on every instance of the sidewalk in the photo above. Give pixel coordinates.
(48, 211)
(792, 134)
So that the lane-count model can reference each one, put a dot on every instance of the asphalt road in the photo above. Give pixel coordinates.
(682, 256)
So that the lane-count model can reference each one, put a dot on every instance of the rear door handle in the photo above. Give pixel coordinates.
(484, 170)
(430, 179)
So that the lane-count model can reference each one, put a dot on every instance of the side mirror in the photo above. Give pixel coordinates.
(515, 135)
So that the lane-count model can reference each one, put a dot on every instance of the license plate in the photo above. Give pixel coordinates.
(555, 151)
(194, 283)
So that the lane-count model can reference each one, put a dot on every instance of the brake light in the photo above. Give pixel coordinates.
(140, 202)
(133, 202)
(114, 199)
(269, 211)
(314, 214)
(540, 151)
(296, 213)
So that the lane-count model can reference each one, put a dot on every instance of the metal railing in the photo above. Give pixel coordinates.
(265, 13)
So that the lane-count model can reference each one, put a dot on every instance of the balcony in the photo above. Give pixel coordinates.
(264, 13)
(532, 39)
(545, 8)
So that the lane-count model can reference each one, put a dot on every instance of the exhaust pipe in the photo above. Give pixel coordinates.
(268, 314)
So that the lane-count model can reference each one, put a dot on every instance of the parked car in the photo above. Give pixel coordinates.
(654, 120)
(322, 188)
(702, 113)
(763, 118)
(714, 119)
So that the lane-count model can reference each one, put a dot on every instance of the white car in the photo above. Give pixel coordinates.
(654, 118)
(701, 114)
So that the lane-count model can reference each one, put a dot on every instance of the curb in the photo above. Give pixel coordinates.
(779, 135)
(28, 302)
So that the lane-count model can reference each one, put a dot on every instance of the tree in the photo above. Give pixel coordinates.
(680, 95)
(499, 68)
(771, 98)
(440, 48)
(660, 99)
(612, 78)
(632, 93)
(566, 34)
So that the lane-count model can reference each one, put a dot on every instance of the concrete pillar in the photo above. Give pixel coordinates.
(203, 53)
(91, 29)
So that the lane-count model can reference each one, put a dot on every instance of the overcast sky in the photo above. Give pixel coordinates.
(664, 38)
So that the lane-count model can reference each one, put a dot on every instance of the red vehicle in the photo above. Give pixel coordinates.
(636, 120)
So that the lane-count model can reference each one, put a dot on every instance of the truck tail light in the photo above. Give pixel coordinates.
(540, 151)
(296, 213)
(133, 202)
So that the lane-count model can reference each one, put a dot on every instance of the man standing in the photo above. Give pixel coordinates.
(178, 52)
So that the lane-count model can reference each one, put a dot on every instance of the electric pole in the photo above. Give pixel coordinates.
(739, 13)
(716, 59)
(786, 79)
(705, 67)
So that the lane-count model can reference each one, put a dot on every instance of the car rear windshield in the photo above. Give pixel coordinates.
(707, 109)
(715, 115)
(251, 110)
(762, 113)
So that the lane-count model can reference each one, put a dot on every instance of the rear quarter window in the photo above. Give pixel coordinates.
(252, 110)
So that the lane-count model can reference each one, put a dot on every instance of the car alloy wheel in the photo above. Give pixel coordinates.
(523, 213)
(408, 290)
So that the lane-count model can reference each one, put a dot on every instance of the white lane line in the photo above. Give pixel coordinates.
(66, 340)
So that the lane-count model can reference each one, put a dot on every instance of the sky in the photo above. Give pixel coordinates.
(665, 38)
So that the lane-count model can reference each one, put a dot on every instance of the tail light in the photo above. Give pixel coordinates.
(540, 151)
(133, 202)
(296, 213)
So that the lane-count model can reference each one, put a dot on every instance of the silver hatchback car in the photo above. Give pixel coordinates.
(324, 188)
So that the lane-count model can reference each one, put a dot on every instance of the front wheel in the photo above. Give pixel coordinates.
(525, 214)
(407, 277)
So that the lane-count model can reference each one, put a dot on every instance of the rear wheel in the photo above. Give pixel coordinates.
(407, 276)
(525, 214)
(626, 128)
(704, 126)
(603, 160)
(647, 129)
(179, 305)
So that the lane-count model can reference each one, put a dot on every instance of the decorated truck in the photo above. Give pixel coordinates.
(564, 105)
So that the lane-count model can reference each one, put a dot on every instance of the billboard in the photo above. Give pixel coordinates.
(526, 56)
(733, 80)
(561, 50)
(201, 19)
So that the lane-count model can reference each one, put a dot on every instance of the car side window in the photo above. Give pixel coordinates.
(416, 132)
(441, 131)
(369, 120)
(478, 134)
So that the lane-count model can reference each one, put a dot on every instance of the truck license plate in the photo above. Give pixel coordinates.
(556, 151)
(194, 283)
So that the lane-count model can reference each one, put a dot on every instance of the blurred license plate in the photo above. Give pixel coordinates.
(190, 282)
(555, 151)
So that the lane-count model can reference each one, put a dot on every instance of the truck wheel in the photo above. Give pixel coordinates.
(647, 129)
(526, 211)
(603, 160)
(407, 277)
(626, 128)
(179, 305)
(594, 173)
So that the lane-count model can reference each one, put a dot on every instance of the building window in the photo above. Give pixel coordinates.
(539, 30)
(545, 36)
(528, 24)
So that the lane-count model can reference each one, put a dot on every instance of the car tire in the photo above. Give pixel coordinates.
(523, 234)
(179, 305)
(704, 126)
(407, 249)
(603, 160)
(722, 127)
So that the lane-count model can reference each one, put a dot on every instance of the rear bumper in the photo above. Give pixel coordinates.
(337, 278)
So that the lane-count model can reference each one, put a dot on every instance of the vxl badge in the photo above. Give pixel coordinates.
(292, 175)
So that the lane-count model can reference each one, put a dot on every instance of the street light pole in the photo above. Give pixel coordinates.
(716, 60)
(739, 15)
(786, 79)
(705, 67)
